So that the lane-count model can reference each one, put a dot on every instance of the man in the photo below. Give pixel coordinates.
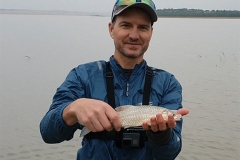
(84, 97)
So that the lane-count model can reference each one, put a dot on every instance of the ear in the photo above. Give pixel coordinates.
(110, 29)
(151, 31)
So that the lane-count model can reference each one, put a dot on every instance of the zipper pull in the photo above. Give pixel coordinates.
(127, 90)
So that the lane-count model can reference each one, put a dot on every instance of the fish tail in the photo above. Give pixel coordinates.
(84, 131)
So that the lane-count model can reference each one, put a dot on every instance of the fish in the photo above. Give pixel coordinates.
(134, 116)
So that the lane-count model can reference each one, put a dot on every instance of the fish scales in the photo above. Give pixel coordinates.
(132, 116)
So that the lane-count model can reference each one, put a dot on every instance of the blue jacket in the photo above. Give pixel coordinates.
(88, 81)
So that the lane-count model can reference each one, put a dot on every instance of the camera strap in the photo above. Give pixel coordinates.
(114, 135)
(110, 86)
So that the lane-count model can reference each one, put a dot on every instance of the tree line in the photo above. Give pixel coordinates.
(184, 12)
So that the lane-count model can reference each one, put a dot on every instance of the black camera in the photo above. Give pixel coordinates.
(131, 138)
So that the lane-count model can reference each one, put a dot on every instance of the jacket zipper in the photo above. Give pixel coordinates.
(127, 92)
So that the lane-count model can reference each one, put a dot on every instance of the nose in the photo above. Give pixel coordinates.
(133, 34)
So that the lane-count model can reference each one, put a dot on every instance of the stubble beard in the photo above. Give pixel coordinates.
(130, 55)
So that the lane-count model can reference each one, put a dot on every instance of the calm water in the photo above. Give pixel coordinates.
(38, 51)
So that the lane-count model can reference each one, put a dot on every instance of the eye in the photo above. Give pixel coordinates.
(146, 28)
(125, 25)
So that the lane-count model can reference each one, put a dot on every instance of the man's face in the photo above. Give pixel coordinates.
(131, 32)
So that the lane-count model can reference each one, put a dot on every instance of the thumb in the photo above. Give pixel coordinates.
(183, 111)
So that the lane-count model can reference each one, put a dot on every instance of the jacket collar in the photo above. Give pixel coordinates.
(138, 69)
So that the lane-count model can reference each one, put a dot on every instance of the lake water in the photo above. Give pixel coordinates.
(38, 51)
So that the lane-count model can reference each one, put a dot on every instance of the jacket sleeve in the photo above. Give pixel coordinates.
(52, 127)
(171, 99)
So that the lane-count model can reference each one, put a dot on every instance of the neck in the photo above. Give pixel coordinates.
(126, 62)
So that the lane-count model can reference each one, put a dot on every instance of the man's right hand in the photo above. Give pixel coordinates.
(96, 115)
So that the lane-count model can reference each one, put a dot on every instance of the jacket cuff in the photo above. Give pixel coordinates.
(62, 121)
(161, 137)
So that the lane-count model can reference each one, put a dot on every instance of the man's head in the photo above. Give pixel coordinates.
(131, 28)
(147, 5)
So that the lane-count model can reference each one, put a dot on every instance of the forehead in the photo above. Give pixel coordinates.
(138, 13)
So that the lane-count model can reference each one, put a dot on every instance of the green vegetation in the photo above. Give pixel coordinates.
(197, 13)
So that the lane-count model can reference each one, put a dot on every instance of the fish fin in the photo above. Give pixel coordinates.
(122, 108)
(84, 131)
(128, 126)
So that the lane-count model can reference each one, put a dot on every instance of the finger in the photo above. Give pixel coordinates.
(107, 125)
(183, 111)
(97, 125)
(89, 125)
(114, 118)
(171, 122)
(154, 125)
(145, 126)
(161, 122)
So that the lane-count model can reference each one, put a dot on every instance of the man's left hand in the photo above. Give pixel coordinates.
(159, 124)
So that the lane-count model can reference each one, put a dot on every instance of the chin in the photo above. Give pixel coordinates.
(133, 55)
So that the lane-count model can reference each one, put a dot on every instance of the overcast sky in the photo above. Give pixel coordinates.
(106, 5)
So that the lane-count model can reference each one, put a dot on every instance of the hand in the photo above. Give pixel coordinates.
(159, 124)
(93, 114)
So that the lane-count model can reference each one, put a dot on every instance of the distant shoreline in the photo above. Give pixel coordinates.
(46, 12)
(109, 16)
(53, 14)
(97, 14)
(199, 17)
(184, 12)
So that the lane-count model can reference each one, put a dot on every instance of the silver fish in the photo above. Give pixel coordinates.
(133, 116)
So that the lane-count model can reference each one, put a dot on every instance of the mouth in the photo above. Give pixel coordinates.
(133, 43)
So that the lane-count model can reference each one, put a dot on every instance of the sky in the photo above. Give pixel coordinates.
(106, 5)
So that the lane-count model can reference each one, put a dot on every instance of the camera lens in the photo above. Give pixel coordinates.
(126, 143)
